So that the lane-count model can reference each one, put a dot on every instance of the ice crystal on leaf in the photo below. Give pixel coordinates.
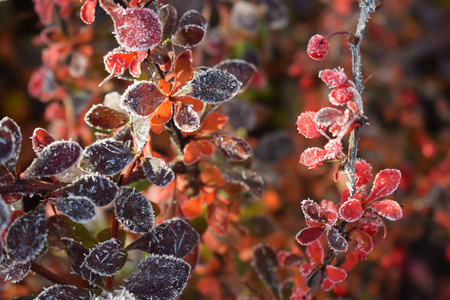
(157, 171)
(351, 210)
(142, 98)
(66, 292)
(106, 259)
(87, 12)
(185, 118)
(241, 69)
(234, 148)
(13, 270)
(191, 29)
(11, 162)
(334, 77)
(312, 157)
(78, 208)
(41, 139)
(307, 126)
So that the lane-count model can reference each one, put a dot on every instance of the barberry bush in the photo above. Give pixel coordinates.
(187, 143)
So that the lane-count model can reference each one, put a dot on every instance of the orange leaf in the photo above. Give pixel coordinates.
(194, 150)
(197, 104)
(183, 70)
(157, 128)
(193, 207)
(213, 122)
(210, 174)
(164, 86)
(163, 113)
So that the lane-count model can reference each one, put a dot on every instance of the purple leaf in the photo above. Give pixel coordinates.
(55, 158)
(7, 145)
(313, 211)
(213, 86)
(103, 117)
(26, 236)
(185, 118)
(134, 211)
(106, 157)
(174, 237)
(17, 141)
(78, 208)
(242, 70)
(107, 258)
(191, 30)
(76, 254)
(41, 139)
(170, 20)
(250, 179)
(14, 271)
(158, 277)
(157, 171)
(234, 148)
(275, 13)
(142, 98)
(327, 116)
(265, 262)
(100, 190)
(336, 240)
(4, 214)
(124, 135)
(66, 292)
(61, 226)
(244, 17)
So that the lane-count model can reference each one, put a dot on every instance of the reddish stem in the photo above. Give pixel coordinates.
(38, 269)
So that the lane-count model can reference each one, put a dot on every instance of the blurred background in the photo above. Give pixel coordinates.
(406, 68)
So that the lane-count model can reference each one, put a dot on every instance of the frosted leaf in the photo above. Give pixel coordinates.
(117, 62)
(351, 210)
(309, 235)
(87, 12)
(142, 98)
(141, 130)
(389, 209)
(333, 78)
(4, 214)
(135, 64)
(275, 13)
(327, 116)
(250, 179)
(241, 69)
(312, 157)
(363, 172)
(134, 211)
(70, 175)
(336, 241)
(335, 274)
(135, 29)
(103, 117)
(191, 29)
(106, 157)
(185, 118)
(307, 126)
(79, 209)
(76, 254)
(113, 100)
(66, 292)
(244, 17)
(313, 211)
(41, 139)
(100, 190)
(173, 237)
(7, 145)
(124, 135)
(27, 234)
(385, 183)
(158, 277)
(213, 86)
(157, 171)
(265, 262)
(107, 258)
(55, 158)
(234, 148)
(14, 271)
(17, 142)
(169, 20)
(121, 294)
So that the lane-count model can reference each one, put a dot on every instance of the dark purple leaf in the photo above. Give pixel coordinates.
(336, 241)
(41, 139)
(100, 190)
(27, 235)
(274, 146)
(275, 13)
(59, 226)
(134, 211)
(7, 145)
(11, 198)
(313, 211)
(15, 130)
(174, 237)
(14, 271)
(157, 171)
(158, 277)
(213, 86)
(106, 157)
(66, 292)
(234, 148)
(124, 135)
(265, 262)
(120, 294)
(185, 118)
(193, 17)
(107, 258)
(244, 17)
(241, 114)
(191, 30)
(170, 20)
(242, 70)
(76, 254)
(103, 117)
(142, 98)
(250, 179)
(78, 208)
(4, 214)
(55, 158)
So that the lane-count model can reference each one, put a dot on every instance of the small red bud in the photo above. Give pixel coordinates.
(318, 47)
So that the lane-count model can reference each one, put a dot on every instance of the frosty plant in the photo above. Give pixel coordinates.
(74, 183)
(359, 214)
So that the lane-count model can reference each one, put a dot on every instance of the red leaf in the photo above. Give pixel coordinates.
(117, 62)
(185, 118)
(365, 242)
(234, 148)
(217, 217)
(142, 98)
(389, 209)
(87, 12)
(312, 157)
(340, 95)
(333, 78)
(309, 235)
(332, 216)
(363, 172)
(313, 211)
(335, 274)
(306, 125)
(197, 105)
(385, 183)
(135, 64)
(336, 240)
(307, 268)
(351, 210)
(327, 284)
(315, 252)
(183, 70)
(369, 227)
(327, 116)
(213, 122)
(350, 262)
(163, 113)
(194, 150)
(332, 149)
(103, 117)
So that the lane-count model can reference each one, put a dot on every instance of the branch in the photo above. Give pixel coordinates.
(38, 269)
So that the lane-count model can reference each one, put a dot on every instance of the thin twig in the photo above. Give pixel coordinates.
(38, 269)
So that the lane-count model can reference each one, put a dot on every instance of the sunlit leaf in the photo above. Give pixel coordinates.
(163, 113)
(185, 118)
(107, 258)
(41, 139)
(55, 158)
(333, 77)
(307, 126)
(385, 183)
(191, 29)
(141, 130)
(335, 274)
(351, 210)
(76, 254)
(135, 64)
(134, 211)
(157, 171)
(103, 117)
(106, 157)
(117, 62)
(158, 277)
(309, 235)
(363, 172)
(389, 209)
(78, 208)
(265, 262)
(173, 237)
(250, 179)
(17, 142)
(312, 157)
(315, 252)
(194, 150)
(213, 122)
(14, 271)
(234, 148)
(87, 12)
(142, 98)
(241, 69)
(183, 70)
(66, 292)
(27, 235)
